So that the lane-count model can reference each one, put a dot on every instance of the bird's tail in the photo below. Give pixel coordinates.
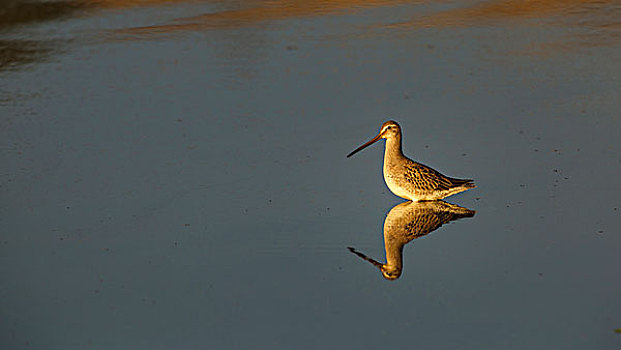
(466, 183)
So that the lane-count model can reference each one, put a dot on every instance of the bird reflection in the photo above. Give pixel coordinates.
(408, 221)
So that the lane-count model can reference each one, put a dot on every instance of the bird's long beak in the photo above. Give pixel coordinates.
(366, 258)
(373, 140)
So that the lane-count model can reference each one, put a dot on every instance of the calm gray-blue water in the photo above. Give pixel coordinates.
(174, 174)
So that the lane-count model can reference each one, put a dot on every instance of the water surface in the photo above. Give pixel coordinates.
(174, 173)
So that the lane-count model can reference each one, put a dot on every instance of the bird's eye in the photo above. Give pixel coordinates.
(388, 128)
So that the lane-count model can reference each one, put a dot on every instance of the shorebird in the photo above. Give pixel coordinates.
(408, 221)
(409, 179)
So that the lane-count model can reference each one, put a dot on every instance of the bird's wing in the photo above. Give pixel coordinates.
(426, 179)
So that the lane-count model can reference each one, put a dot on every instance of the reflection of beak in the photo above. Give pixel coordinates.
(379, 136)
(373, 262)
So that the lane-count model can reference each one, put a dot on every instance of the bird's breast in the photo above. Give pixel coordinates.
(395, 181)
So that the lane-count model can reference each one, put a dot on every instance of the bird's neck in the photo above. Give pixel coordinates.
(393, 149)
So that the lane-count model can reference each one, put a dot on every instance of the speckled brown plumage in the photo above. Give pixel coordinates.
(424, 178)
(409, 179)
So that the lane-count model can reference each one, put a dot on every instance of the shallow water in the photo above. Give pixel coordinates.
(174, 173)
